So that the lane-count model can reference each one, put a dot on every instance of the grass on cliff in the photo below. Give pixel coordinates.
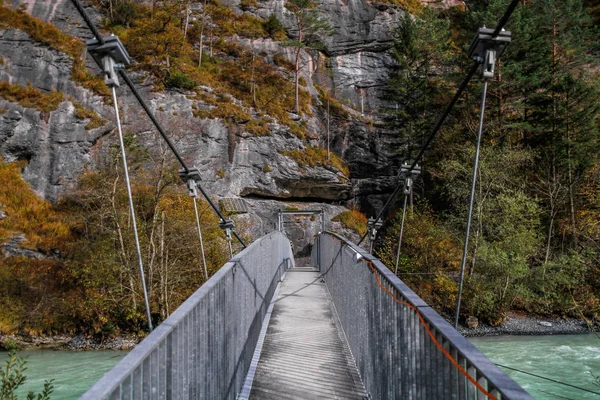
(26, 213)
(414, 7)
(82, 113)
(153, 36)
(49, 35)
(317, 157)
(352, 219)
(241, 78)
(30, 97)
(336, 108)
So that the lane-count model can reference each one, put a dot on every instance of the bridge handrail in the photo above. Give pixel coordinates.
(171, 361)
(384, 328)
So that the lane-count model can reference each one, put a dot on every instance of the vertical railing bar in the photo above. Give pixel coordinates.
(428, 369)
(448, 371)
(390, 336)
(186, 354)
(438, 377)
(397, 383)
(483, 382)
(126, 388)
(211, 346)
(444, 372)
(137, 382)
(382, 334)
(454, 388)
(403, 351)
(154, 374)
(205, 389)
(462, 393)
(146, 380)
(471, 394)
(379, 335)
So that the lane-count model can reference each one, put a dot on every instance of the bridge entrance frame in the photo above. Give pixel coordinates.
(282, 213)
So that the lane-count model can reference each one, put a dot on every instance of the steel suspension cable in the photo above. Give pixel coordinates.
(200, 237)
(432, 136)
(172, 146)
(131, 208)
(88, 21)
(153, 118)
(471, 201)
(148, 112)
(509, 10)
(501, 23)
(549, 379)
(400, 235)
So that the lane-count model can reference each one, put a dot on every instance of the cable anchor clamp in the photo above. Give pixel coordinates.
(227, 225)
(192, 179)
(407, 176)
(110, 56)
(374, 225)
(486, 49)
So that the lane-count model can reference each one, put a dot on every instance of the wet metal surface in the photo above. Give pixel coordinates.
(305, 355)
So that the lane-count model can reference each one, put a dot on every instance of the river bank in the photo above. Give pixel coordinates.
(67, 342)
(514, 324)
(517, 324)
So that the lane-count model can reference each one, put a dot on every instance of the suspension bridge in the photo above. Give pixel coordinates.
(343, 327)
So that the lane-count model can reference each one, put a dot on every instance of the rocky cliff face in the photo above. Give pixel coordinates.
(57, 146)
(354, 66)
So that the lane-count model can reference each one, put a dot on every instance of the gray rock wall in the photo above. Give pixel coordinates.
(232, 162)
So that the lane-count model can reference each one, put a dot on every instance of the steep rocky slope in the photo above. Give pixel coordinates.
(59, 145)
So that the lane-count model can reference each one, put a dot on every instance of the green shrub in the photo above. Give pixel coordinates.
(9, 345)
(274, 28)
(179, 80)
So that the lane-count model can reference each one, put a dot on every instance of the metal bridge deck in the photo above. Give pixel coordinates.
(305, 355)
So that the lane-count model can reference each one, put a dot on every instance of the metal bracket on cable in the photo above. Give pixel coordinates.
(227, 225)
(111, 55)
(191, 178)
(485, 49)
(407, 176)
(374, 225)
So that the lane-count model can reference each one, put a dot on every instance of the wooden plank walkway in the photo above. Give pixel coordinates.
(305, 355)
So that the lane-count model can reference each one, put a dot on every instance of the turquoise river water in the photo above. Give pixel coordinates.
(572, 359)
(567, 358)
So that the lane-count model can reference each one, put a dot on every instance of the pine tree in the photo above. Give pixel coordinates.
(419, 85)
(310, 28)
